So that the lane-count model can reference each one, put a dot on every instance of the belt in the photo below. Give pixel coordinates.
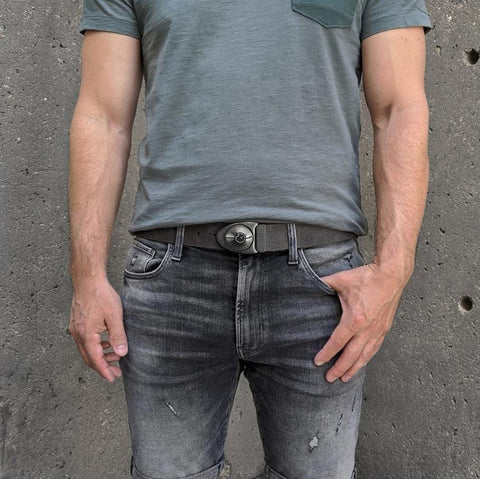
(248, 237)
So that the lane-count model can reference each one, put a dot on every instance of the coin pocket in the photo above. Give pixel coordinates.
(144, 261)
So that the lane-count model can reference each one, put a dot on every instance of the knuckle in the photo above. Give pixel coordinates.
(113, 309)
(365, 356)
(357, 321)
(81, 330)
(110, 312)
(385, 330)
(372, 348)
(336, 343)
(349, 355)
(336, 371)
(342, 371)
(351, 358)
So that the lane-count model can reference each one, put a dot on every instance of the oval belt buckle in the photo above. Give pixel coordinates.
(238, 237)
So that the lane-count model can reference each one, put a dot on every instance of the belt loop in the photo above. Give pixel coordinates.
(292, 244)
(177, 252)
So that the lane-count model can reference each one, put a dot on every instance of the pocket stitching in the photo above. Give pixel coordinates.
(327, 7)
(143, 247)
(150, 274)
(296, 7)
(317, 279)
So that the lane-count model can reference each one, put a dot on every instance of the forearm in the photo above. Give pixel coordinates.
(99, 152)
(400, 170)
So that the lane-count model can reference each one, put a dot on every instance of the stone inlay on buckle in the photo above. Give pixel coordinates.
(238, 237)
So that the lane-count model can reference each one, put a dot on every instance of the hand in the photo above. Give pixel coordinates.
(97, 307)
(369, 296)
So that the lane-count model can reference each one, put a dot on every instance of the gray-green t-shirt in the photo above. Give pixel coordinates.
(252, 106)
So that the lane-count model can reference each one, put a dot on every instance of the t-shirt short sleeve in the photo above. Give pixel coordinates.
(382, 15)
(110, 15)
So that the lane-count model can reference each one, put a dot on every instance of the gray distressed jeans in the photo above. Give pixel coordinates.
(196, 319)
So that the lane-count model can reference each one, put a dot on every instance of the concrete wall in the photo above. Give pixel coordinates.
(58, 419)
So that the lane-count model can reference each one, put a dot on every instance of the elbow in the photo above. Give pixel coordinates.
(93, 120)
(412, 110)
(91, 114)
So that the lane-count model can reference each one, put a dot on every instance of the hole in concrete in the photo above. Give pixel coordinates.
(471, 56)
(466, 304)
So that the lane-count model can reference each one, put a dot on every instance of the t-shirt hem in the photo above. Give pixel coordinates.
(399, 21)
(109, 24)
(351, 226)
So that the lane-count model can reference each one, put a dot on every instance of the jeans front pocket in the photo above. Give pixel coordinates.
(146, 258)
(321, 261)
(328, 13)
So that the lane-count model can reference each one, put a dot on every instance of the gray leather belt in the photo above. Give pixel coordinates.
(248, 237)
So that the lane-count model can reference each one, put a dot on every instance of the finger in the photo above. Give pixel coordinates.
(111, 357)
(81, 349)
(97, 357)
(367, 354)
(84, 355)
(340, 336)
(349, 356)
(335, 280)
(116, 371)
(116, 333)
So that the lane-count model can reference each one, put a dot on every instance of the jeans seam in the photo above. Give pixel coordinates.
(231, 400)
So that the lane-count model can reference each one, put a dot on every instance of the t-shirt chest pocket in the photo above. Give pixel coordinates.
(328, 13)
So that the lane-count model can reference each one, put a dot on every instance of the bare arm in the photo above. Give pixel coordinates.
(394, 91)
(393, 66)
(100, 141)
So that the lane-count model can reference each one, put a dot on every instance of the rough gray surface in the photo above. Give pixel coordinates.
(58, 419)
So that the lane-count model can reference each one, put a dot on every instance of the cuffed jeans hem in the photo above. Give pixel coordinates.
(270, 473)
(210, 473)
